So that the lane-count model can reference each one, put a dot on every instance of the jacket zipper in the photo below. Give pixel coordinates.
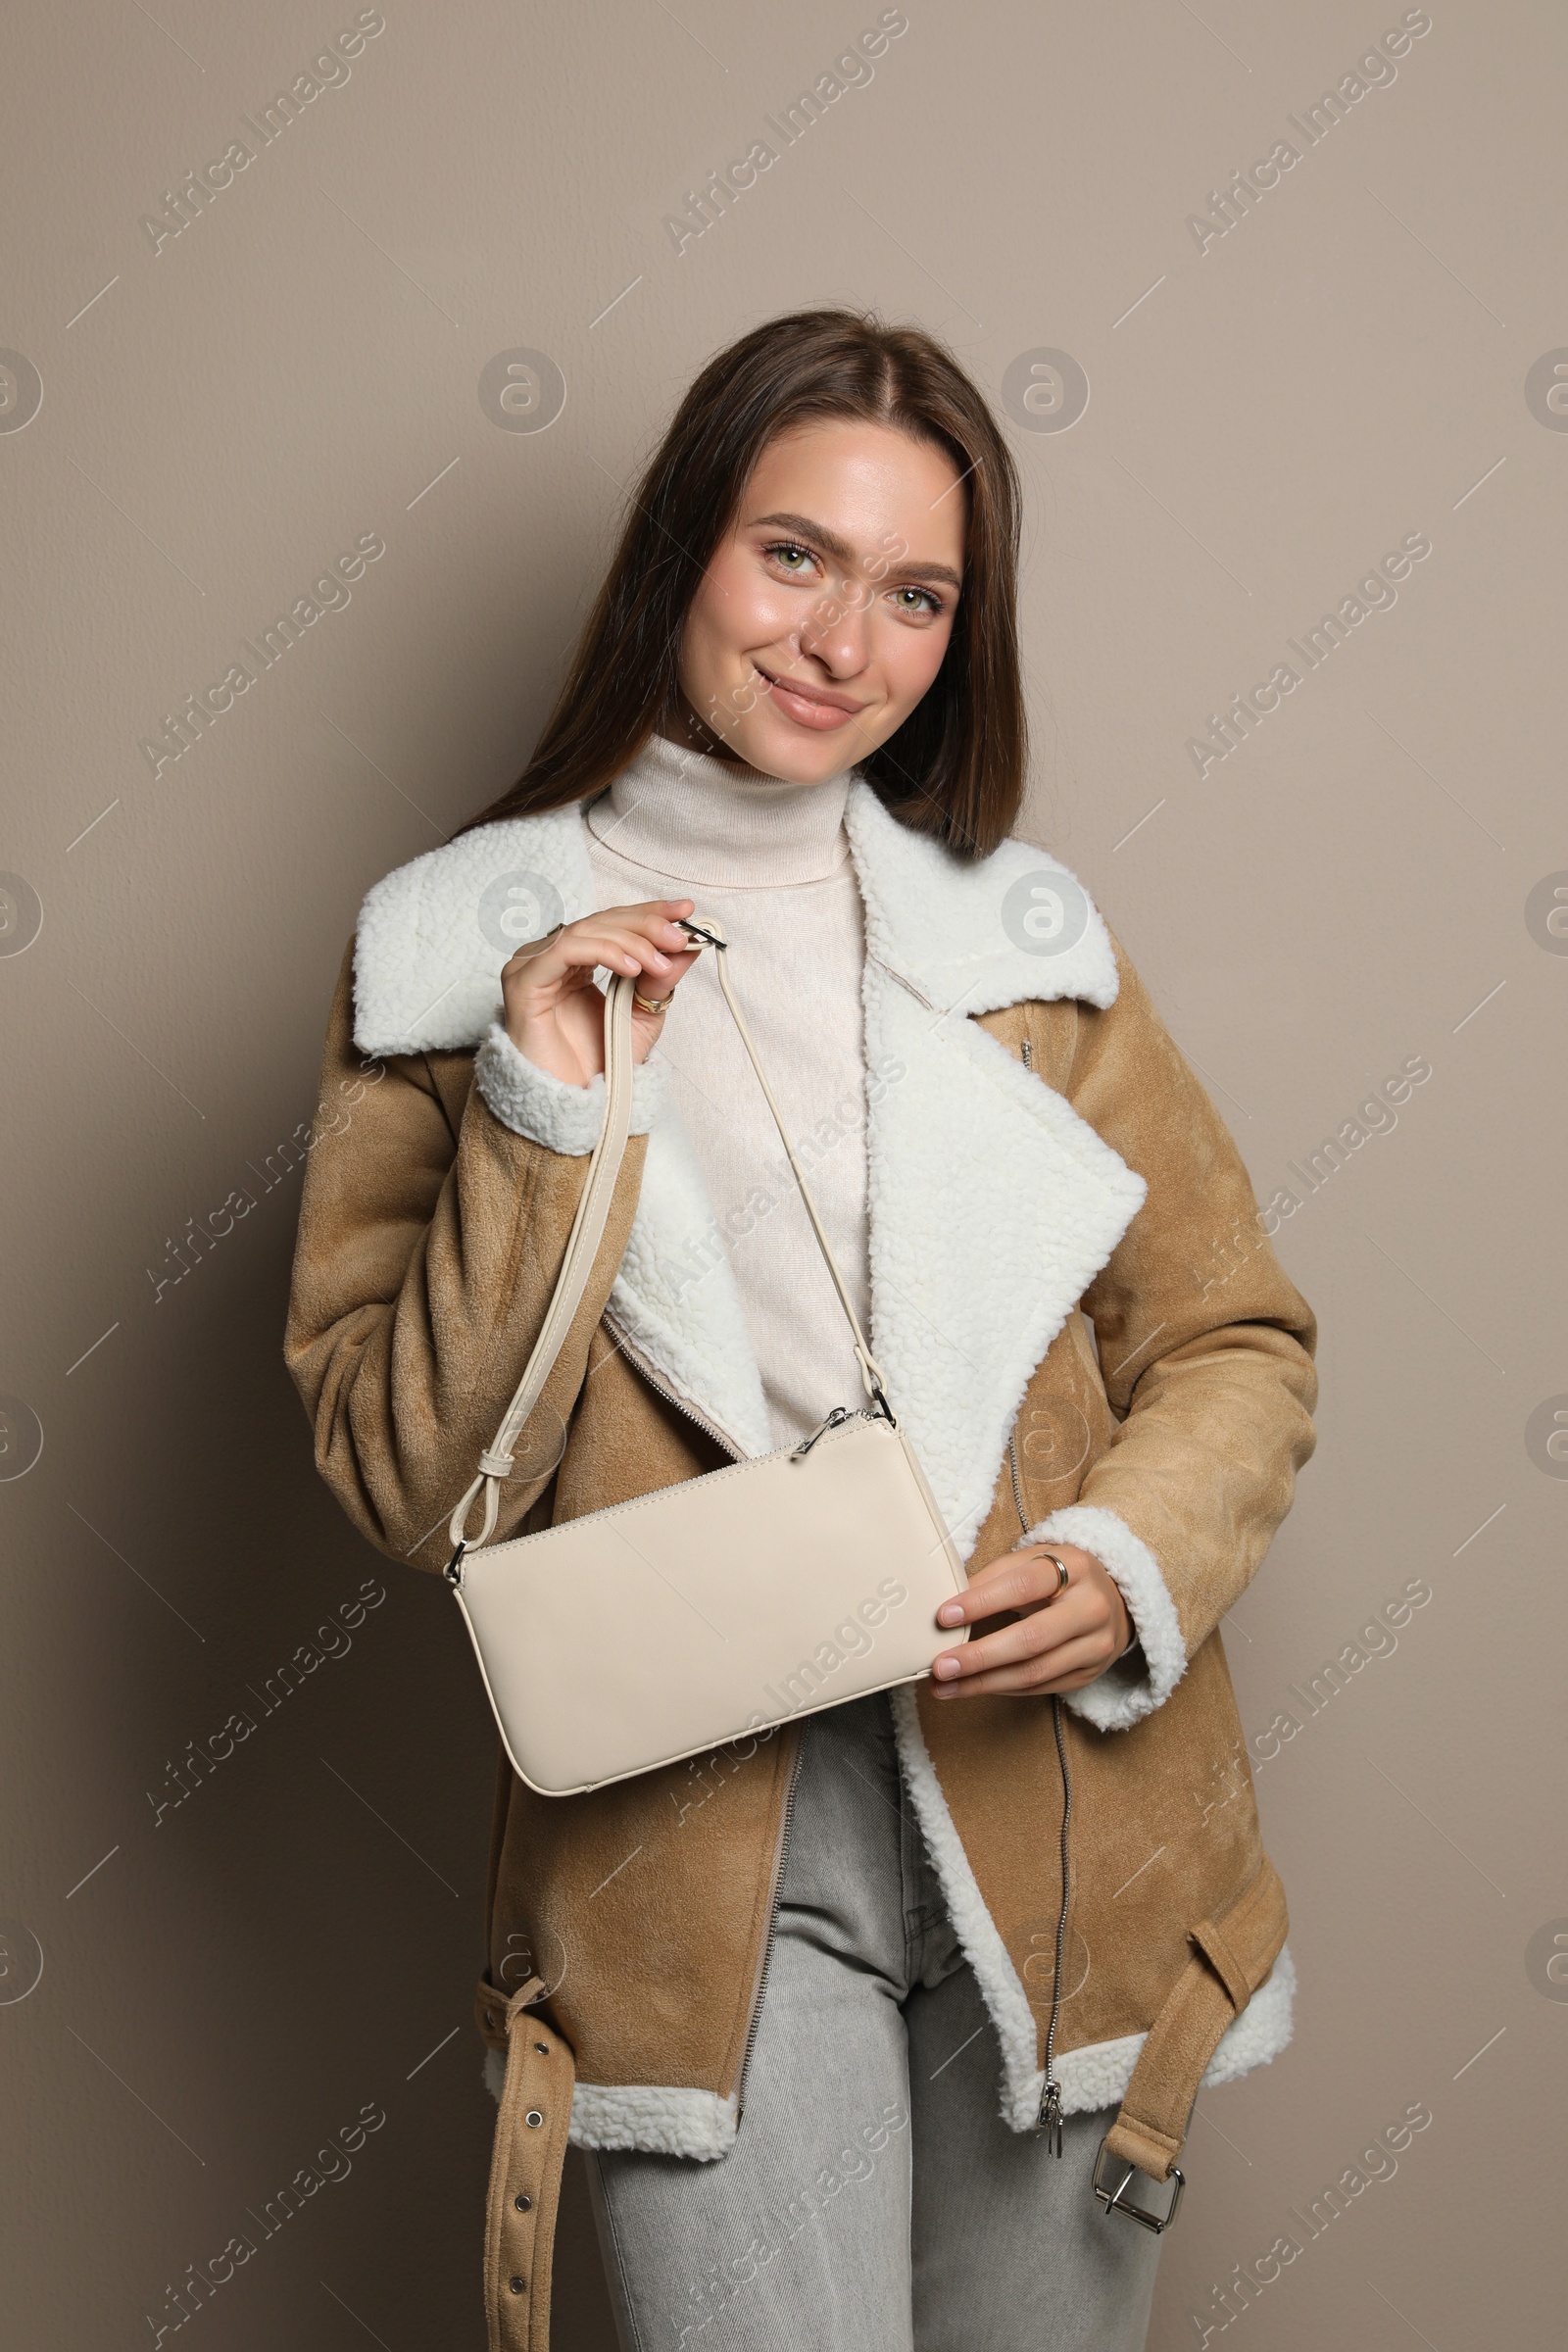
(1050, 2118)
(634, 1355)
(781, 1853)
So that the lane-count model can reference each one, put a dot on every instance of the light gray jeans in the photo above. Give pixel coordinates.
(874, 2200)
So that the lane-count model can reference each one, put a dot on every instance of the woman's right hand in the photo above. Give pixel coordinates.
(554, 1013)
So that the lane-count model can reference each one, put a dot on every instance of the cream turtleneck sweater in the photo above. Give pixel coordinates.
(771, 863)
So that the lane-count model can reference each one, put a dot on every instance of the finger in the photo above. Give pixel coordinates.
(654, 921)
(623, 948)
(1019, 1580)
(669, 969)
(1068, 1669)
(585, 945)
(667, 983)
(647, 931)
(1031, 1637)
(661, 968)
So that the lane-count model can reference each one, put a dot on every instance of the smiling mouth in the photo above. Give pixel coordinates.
(810, 706)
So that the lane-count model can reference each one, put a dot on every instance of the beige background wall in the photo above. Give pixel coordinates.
(1366, 881)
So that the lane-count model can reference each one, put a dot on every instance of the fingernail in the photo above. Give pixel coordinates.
(951, 1613)
(945, 1669)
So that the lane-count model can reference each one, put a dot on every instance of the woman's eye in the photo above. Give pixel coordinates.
(924, 601)
(792, 558)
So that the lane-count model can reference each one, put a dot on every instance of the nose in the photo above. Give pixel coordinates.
(836, 631)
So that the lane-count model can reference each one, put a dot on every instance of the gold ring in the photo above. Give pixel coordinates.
(651, 1003)
(1062, 1578)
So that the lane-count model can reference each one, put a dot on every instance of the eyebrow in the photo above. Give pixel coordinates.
(845, 553)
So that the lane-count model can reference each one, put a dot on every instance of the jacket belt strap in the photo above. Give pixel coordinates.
(530, 2148)
(1232, 1959)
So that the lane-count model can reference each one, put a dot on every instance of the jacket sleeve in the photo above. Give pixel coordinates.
(423, 1267)
(1205, 1348)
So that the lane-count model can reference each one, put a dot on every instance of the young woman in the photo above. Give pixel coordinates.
(850, 2007)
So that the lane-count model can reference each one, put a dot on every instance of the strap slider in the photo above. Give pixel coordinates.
(1116, 2200)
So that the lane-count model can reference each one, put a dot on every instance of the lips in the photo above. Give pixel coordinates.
(811, 706)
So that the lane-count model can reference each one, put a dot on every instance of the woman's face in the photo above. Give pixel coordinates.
(824, 614)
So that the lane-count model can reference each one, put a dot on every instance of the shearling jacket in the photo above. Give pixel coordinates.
(1070, 1282)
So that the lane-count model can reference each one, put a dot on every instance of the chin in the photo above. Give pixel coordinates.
(794, 756)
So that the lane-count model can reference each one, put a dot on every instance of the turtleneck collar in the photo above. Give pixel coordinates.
(685, 814)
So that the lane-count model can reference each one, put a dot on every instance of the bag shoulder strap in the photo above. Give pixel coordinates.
(869, 1372)
(587, 1232)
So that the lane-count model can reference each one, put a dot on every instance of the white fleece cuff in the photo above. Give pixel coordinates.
(1125, 1692)
(546, 1109)
(662, 2121)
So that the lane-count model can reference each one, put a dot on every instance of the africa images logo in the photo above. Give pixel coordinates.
(1044, 913)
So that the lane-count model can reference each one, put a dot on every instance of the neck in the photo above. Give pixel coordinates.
(684, 813)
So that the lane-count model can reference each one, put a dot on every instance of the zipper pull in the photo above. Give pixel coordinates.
(1050, 2118)
(840, 1413)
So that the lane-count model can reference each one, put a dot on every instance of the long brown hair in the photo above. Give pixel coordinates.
(956, 766)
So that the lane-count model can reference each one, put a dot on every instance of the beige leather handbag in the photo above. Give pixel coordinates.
(715, 1608)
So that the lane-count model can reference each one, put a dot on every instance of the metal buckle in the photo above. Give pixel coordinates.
(1116, 2200)
(452, 1573)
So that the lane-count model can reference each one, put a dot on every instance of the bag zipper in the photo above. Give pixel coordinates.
(837, 1418)
(1048, 2119)
(841, 1413)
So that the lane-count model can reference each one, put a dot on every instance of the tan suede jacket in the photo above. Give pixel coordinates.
(1082, 1324)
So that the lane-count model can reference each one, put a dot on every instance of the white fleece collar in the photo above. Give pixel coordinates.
(973, 938)
(992, 1204)
(433, 935)
(432, 938)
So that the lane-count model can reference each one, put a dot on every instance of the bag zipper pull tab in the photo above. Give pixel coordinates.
(840, 1412)
(1050, 2120)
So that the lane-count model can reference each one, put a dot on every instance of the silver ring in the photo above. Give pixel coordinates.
(1062, 1578)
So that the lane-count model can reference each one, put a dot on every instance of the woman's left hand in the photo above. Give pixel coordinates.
(1052, 1637)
